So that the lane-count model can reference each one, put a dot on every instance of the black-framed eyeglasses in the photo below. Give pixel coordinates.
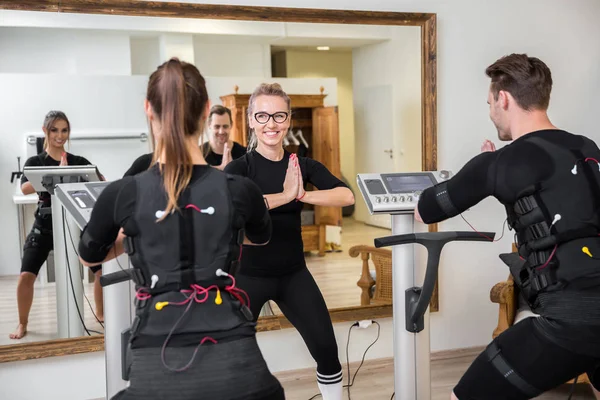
(263, 117)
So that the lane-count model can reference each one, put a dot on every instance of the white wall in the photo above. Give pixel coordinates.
(59, 373)
(232, 59)
(145, 55)
(211, 57)
(471, 35)
(47, 51)
(387, 100)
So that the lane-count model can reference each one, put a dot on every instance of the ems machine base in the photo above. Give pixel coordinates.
(74, 191)
(397, 194)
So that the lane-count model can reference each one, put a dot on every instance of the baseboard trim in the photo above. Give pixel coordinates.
(457, 353)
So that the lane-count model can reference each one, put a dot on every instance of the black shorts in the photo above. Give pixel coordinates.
(538, 361)
(230, 370)
(38, 244)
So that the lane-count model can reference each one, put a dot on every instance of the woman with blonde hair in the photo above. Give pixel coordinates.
(278, 270)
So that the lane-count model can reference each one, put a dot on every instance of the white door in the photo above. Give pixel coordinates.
(374, 127)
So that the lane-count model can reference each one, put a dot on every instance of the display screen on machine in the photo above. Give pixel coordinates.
(406, 183)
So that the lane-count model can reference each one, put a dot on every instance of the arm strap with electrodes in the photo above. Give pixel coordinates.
(443, 200)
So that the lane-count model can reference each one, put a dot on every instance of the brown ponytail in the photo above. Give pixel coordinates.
(178, 95)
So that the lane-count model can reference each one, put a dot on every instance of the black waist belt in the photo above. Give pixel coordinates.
(494, 355)
(570, 306)
(192, 339)
(44, 230)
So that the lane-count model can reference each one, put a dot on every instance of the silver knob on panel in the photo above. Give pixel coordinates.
(378, 199)
(409, 198)
(401, 198)
(386, 199)
(394, 199)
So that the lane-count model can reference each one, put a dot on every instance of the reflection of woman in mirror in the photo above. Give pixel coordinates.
(39, 241)
(220, 150)
(278, 270)
(182, 222)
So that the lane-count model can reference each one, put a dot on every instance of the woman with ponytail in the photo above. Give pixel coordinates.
(183, 223)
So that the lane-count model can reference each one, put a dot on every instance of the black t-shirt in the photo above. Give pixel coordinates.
(215, 159)
(285, 251)
(141, 164)
(45, 160)
(504, 174)
(117, 203)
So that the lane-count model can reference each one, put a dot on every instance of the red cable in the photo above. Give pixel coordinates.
(194, 207)
(141, 294)
(549, 258)
(481, 234)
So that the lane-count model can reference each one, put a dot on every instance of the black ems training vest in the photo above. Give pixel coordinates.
(547, 215)
(186, 248)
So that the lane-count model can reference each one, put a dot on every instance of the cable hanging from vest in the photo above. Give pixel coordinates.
(196, 294)
(197, 290)
(481, 234)
(574, 170)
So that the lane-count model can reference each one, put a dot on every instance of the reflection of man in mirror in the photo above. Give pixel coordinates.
(220, 150)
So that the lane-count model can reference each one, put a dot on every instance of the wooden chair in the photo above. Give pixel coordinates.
(382, 279)
(505, 294)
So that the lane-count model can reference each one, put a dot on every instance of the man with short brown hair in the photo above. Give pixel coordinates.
(549, 182)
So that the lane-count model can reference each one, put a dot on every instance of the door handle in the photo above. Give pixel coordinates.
(390, 151)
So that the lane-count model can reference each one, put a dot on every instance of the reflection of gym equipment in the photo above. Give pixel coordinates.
(75, 201)
(69, 285)
(397, 194)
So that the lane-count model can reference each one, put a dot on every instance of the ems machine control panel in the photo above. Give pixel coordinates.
(80, 198)
(397, 193)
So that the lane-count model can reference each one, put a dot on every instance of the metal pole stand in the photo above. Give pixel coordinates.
(118, 316)
(411, 303)
(69, 280)
(412, 378)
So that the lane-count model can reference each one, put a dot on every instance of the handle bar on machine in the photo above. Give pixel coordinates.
(418, 298)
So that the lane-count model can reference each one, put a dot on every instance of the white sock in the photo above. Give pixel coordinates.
(330, 386)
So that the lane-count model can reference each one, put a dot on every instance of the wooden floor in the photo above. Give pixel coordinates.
(375, 381)
(336, 275)
(42, 319)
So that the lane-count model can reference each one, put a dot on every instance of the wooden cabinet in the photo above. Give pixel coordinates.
(320, 129)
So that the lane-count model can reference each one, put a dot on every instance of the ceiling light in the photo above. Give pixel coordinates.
(323, 48)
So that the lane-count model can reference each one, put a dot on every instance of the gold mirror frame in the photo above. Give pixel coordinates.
(427, 23)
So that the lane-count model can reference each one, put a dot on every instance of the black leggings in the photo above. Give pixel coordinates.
(538, 361)
(38, 244)
(302, 303)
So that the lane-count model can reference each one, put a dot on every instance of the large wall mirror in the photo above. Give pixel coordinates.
(363, 89)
